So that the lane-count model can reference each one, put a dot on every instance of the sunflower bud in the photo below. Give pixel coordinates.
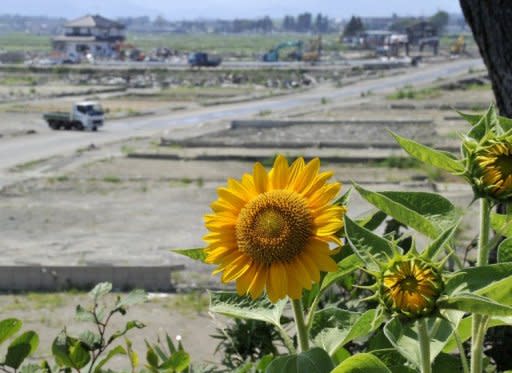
(491, 169)
(410, 287)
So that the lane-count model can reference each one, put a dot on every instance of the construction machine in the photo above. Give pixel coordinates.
(458, 46)
(273, 54)
(314, 50)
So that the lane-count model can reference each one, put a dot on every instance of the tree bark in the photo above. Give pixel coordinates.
(491, 24)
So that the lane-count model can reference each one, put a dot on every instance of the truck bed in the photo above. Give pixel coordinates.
(57, 115)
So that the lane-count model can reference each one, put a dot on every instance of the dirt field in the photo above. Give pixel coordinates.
(99, 207)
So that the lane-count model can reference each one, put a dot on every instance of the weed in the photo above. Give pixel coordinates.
(127, 149)
(264, 113)
(323, 101)
(410, 93)
(398, 162)
(112, 179)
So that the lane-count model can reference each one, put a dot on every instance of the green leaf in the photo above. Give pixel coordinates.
(505, 251)
(464, 330)
(20, 348)
(403, 335)
(427, 213)
(177, 362)
(473, 303)
(151, 357)
(136, 296)
(471, 118)
(433, 250)
(334, 327)
(314, 360)
(32, 368)
(486, 122)
(362, 363)
(232, 305)
(373, 221)
(502, 224)
(90, 339)
(170, 344)
(394, 361)
(196, 254)
(118, 350)
(493, 281)
(129, 325)
(81, 314)
(345, 267)
(430, 156)
(368, 246)
(70, 352)
(8, 328)
(100, 290)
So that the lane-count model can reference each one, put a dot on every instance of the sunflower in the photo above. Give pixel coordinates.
(495, 167)
(411, 287)
(272, 230)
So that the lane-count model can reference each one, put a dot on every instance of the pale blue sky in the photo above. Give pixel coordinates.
(193, 9)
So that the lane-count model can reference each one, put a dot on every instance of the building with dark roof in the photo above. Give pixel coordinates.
(92, 34)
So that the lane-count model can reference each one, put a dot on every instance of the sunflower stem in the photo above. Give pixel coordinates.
(483, 239)
(300, 325)
(478, 328)
(424, 345)
(462, 353)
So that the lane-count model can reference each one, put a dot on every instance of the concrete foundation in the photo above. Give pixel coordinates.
(58, 278)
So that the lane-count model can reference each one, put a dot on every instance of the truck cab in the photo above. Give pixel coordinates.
(89, 114)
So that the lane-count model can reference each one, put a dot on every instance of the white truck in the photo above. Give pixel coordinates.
(84, 115)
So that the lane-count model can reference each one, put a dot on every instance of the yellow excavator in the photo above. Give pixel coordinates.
(458, 46)
(314, 50)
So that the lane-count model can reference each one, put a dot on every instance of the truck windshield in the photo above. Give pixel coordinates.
(95, 109)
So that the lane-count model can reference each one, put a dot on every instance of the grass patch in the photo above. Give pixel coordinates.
(112, 179)
(410, 93)
(127, 149)
(399, 162)
(189, 302)
(20, 41)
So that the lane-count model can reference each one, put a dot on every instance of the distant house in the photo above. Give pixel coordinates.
(92, 34)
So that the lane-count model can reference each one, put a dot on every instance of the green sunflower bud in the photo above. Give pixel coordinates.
(490, 170)
(410, 287)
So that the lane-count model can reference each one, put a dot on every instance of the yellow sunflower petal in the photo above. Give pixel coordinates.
(280, 173)
(260, 178)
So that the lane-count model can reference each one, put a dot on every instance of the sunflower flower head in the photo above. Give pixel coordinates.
(491, 170)
(271, 230)
(410, 287)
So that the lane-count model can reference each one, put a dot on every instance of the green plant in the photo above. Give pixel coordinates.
(20, 346)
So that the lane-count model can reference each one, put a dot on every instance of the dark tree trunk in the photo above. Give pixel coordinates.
(491, 23)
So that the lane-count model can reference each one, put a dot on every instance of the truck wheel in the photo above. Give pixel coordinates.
(79, 126)
(67, 126)
(52, 125)
(94, 128)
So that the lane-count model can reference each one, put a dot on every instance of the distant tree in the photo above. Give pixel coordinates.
(321, 23)
(289, 23)
(440, 20)
(304, 22)
(160, 21)
(401, 24)
(353, 27)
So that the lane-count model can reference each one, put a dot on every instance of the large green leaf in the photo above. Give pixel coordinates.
(493, 281)
(362, 363)
(8, 328)
(345, 267)
(196, 254)
(314, 360)
(368, 246)
(430, 156)
(505, 251)
(470, 118)
(464, 330)
(427, 213)
(232, 305)
(20, 348)
(333, 327)
(403, 335)
(473, 303)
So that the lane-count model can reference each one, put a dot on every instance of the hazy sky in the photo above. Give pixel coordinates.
(193, 9)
